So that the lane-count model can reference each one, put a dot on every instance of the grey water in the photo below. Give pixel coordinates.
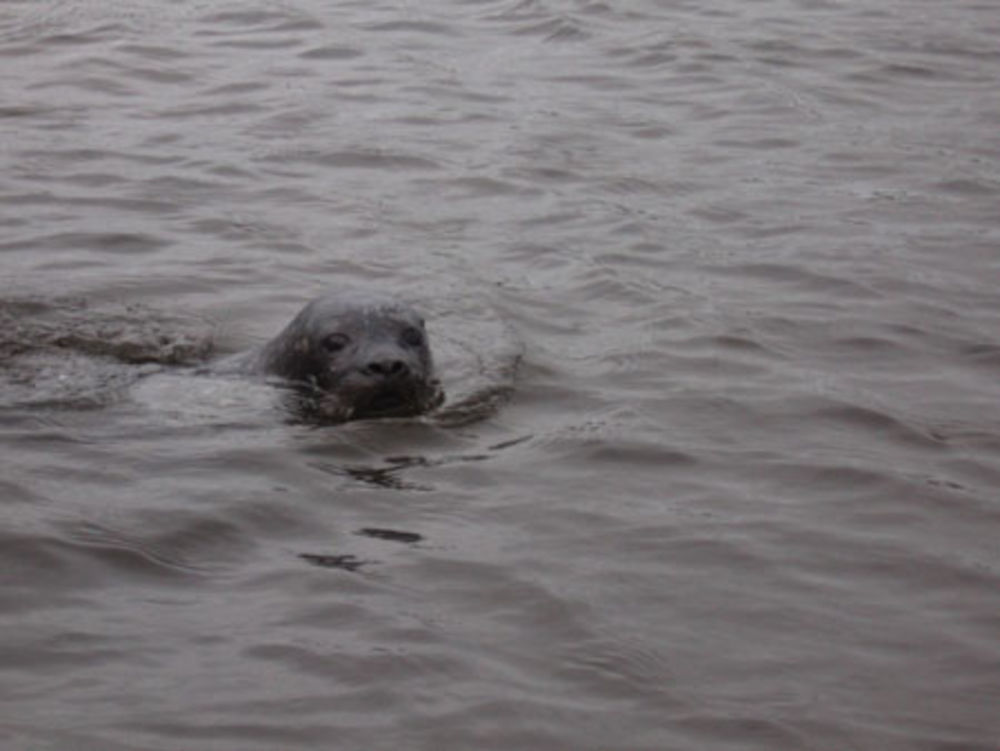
(726, 273)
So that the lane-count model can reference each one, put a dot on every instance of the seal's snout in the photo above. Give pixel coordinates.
(386, 370)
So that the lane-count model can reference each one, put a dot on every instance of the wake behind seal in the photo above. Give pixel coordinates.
(354, 355)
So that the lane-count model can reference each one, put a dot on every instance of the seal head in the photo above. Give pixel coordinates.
(356, 355)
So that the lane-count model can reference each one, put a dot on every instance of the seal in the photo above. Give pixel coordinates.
(355, 355)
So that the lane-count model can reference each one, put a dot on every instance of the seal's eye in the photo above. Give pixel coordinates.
(335, 343)
(412, 337)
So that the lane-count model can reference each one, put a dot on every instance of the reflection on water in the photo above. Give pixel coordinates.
(712, 293)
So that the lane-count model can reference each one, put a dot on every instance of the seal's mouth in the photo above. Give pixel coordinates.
(405, 399)
(391, 402)
(402, 400)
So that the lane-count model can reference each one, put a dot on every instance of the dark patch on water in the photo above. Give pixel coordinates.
(393, 535)
(346, 562)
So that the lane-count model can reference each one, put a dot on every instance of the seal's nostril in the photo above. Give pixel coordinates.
(387, 368)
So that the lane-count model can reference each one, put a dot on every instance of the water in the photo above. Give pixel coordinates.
(743, 493)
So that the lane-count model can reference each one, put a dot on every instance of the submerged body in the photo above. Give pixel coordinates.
(355, 355)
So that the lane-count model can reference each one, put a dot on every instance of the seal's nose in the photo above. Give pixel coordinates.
(386, 370)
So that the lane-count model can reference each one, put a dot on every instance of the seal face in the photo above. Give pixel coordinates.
(356, 355)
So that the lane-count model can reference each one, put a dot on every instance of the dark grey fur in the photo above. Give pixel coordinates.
(359, 354)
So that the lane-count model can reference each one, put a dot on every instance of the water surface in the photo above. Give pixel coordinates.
(742, 493)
